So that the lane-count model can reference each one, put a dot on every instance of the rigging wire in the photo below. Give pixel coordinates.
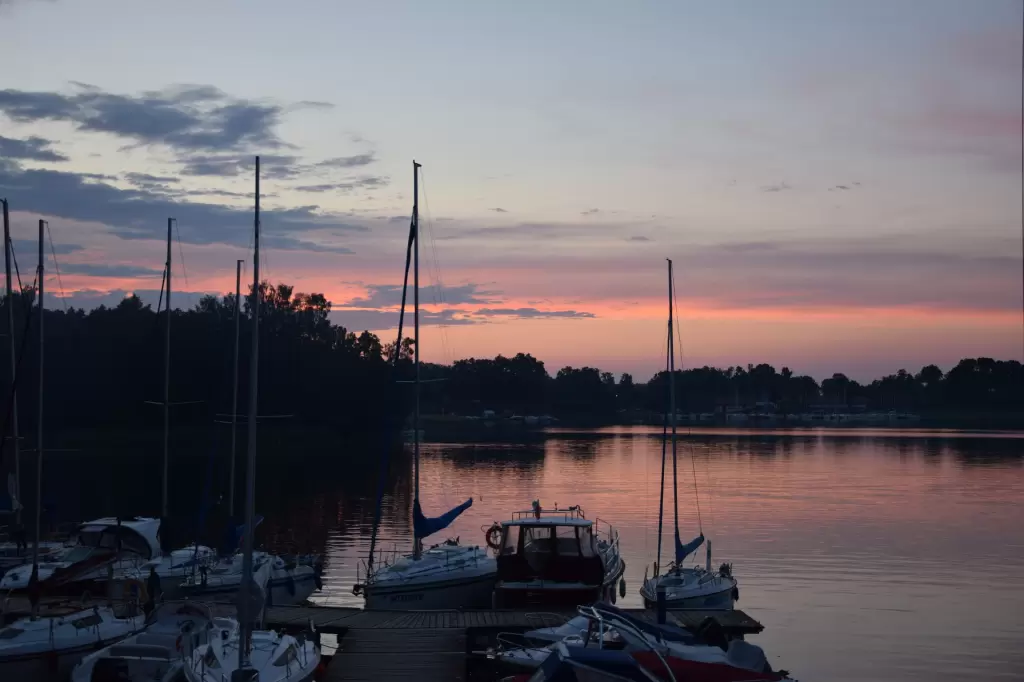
(693, 464)
(434, 265)
(56, 266)
(689, 433)
(17, 271)
(181, 256)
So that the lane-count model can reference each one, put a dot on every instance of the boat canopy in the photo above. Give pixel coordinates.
(136, 534)
(423, 526)
(682, 551)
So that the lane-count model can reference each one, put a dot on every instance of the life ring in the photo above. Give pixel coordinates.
(493, 536)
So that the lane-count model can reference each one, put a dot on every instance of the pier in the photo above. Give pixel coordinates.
(395, 646)
(428, 646)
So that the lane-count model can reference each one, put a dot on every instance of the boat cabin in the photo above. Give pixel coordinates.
(550, 545)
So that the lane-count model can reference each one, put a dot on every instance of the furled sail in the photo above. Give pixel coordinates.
(423, 526)
(682, 551)
(8, 500)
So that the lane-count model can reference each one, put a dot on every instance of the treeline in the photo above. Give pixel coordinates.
(521, 385)
(104, 368)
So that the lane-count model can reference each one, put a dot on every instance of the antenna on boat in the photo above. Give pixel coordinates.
(244, 671)
(34, 580)
(417, 544)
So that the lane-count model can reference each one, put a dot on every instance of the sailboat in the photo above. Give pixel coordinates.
(694, 587)
(448, 575)
(39, 648)
(12, 544)
(237, 651)
(131, 546)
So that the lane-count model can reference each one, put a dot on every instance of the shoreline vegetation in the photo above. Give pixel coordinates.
(104, 368)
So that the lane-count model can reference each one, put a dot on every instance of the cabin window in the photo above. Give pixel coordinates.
(588, 546)
(510, 543)
(10, 633)
(567, 542)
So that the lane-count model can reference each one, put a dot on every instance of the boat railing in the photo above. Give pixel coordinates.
(607, 533)
(565, 513)
(389, 556)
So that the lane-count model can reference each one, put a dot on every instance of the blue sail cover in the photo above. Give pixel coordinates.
(423, 526)
(233, 537)
(682, 551)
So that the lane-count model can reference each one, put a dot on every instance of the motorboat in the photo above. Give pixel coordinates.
(48, 647)
(555, 558)
(157, 653)
(663, 651)
(289, 582)
(276, 657)
(113, 548)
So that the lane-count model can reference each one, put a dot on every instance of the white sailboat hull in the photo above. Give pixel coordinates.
(456, 593)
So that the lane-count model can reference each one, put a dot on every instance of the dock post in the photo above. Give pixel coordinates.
(662, 605)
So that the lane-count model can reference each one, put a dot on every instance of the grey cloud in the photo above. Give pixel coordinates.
(367, 182)
(348, 161)
(88, 299)
(390, 296)
(106, 270)
(28, 246)
(274, 167)
(31, 148)
(142, 214)
(380, 319)
(534, 231)
(183, 118)
(146, 178)
(530, 313)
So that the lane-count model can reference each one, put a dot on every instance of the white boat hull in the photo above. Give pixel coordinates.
(284, 590)
(456, 593)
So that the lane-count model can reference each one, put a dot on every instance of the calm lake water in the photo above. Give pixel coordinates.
(868, 555)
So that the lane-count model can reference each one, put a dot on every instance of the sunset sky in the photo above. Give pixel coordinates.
(839, 184)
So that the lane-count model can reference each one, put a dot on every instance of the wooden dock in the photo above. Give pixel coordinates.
(428, 646)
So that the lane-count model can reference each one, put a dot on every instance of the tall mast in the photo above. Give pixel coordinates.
(39, 422)
(234, 390)
(250, 471)
(664, 431)
(167, 374)
(416, 339)
(14, 362)
(672, 398)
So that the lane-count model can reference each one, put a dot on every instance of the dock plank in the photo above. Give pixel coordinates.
(394, 655)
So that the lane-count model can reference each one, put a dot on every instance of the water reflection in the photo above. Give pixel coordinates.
(868, 554)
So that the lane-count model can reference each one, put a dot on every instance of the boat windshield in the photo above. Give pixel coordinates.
(541, 541)
(115, 538)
